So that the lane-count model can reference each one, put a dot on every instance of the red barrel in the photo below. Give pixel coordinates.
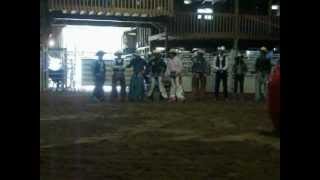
(274, 96)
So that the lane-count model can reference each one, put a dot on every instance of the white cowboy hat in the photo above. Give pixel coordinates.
(222, 48)
(201, 51)
(156, 51)
(173, 51)
(263, 49)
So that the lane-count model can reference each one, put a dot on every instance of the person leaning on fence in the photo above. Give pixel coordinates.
(200, 69)
(239, 70)
(99, 72)
(118, 76)
(263, 68)
(136, 90)
(157, 68)
(174, 70)
(221, 65)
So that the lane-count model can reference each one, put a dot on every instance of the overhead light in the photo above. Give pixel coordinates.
(275, 7)
(132, 34)
(205, 11)
(51, 43)
(187, 1)
(160, 48)
(208, 17)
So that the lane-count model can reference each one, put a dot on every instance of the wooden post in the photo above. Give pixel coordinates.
(269, 23)
(166, 38)
(236, 38)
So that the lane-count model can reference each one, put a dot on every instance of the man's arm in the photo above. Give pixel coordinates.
(245, 68)
(215, 63)
(130, 64)
(180, 65)
(226, 64)
(257, 64)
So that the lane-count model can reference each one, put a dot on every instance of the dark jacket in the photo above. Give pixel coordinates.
(263, 64)
(239, 64)
(98, 71)
(157, 66)
(200, 65)
(138, 64)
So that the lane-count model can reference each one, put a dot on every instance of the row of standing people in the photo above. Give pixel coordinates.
(200, 70)
(158, 69)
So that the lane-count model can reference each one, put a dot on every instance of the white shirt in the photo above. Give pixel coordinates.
(174, 65)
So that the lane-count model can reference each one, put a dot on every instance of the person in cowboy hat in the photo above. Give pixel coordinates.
(99, 72)
(200, 69)
(118, 75)
(136, 90)
(262, 69)
(174, 70)
(239, 70)
(221, 66)
(157, 68)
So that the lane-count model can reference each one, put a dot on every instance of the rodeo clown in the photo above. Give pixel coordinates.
(157, 68)
(200, 70)
(174, 70)
(136, 90)
(118, 75)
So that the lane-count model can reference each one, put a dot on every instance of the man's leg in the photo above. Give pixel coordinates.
(114, 92)
(195, 85)
(132, 88)
(100, 90)
(172, 89)
(179, 89)
(265, 87)
(203, 81)
(258, 87)
(162, 89)
(141, 88)
(217, 84)
(95, 90)
(241, 81)
(123, 87)
(225, 84)
(153, 82)
(236, 82)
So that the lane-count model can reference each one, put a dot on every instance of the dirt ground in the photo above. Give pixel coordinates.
(207, 140)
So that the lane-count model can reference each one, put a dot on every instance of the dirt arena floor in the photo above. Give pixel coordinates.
(208, 140)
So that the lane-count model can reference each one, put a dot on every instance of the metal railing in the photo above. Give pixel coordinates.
(224, 24)
(140, 7)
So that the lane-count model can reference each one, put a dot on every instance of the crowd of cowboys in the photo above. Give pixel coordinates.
(157, 71)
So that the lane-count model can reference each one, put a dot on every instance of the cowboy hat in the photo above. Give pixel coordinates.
(201, 51)
(263, 49)
(156, 51)
(222, 48)
(172, 51)
(118, 53)
(100, 53)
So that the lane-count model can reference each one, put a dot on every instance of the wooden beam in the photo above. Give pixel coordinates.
(58, 14)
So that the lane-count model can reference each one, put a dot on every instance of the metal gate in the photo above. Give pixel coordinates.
(43, 70)
(56, 70)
